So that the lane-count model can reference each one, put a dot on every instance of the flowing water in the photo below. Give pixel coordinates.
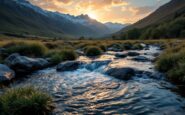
(89, 91)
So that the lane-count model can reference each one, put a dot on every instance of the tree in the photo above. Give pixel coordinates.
(133, 34)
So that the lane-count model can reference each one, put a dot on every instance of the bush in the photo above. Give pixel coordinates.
(133, 34)
(172, 62)
(25, 101)
(27, 49)
(93, 51)
(63, 55)
(103, 47)
(137, 46)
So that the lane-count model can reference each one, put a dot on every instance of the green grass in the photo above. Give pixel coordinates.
(25, 101)
(93, 51)
(62, 55)
(172, 62)
(32, 49)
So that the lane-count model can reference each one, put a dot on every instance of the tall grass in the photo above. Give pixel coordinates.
(25, 101)
(92, 51)
(33, 49)
(172, 62)
(58, 56)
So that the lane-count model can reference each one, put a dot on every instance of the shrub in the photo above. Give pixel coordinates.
(177, 74)
(103, 47)
(25, 101)
(133, 33)
(63, 55)
(28, 49)
(172, 62)
(137, 46)
(93, 51)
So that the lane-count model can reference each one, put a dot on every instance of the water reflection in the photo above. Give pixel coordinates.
(91, 92)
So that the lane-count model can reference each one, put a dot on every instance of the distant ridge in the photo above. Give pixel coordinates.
(164, 13)
(21, 17)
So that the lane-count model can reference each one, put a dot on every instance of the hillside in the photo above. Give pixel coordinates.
(21, 17)
(164, 13)
(115, 27)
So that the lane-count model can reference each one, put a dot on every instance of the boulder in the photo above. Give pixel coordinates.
(96, 64)
(120, 55)
(121, 73)
(23, 64)
(6, 73)
(69, 65)
(115, 48)
(133, 54)
(156, 54)
(141, 59)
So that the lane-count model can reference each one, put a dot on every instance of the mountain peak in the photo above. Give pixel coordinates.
(85, 16)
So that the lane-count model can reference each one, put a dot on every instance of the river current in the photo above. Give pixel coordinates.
(88, 90)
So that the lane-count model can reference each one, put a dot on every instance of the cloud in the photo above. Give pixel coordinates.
(125, 11)
(143, 10)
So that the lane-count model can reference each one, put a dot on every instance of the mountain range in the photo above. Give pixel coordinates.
(23, 18)
(115, 27)
(164, 13)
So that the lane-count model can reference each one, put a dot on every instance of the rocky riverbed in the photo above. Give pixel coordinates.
(114, 83)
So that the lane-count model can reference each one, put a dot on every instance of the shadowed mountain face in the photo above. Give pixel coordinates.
(115, 27)
(21, 17)
(164, 13)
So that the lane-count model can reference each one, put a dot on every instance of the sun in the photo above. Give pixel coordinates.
(92, 15)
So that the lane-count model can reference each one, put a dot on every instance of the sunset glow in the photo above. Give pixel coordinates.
(92, 15)
(122, 11)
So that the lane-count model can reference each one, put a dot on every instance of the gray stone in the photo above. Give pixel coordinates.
(120, 55)
(121, 73)
(6, 73)
(69, 65)
(25, 64)
(140, 58)
(96, 64)
(133, 54)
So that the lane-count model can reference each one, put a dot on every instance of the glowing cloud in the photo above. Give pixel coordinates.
(123, 11)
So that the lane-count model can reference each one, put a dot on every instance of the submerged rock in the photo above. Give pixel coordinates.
(115, 48)
(69, 65)
(141, 59)
(23, 64)
(6, 73)
(96, 64)
(121, 73)
(120, 55)
(133, 54)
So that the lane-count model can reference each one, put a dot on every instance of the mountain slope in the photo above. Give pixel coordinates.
(164, 13)
(21, 17)
(115, 27)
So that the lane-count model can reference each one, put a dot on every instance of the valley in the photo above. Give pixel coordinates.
(113, 57)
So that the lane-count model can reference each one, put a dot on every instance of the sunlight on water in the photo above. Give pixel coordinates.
(87, 91)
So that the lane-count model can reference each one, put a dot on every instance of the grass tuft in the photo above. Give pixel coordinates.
(63, 55)
(25, 48)
(25, 101)
(172, 62)
(93, 51)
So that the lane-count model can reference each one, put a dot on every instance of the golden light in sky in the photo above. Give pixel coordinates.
(121, 11)
(92, 15)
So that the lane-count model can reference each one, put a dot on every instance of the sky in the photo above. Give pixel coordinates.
(120, 11)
